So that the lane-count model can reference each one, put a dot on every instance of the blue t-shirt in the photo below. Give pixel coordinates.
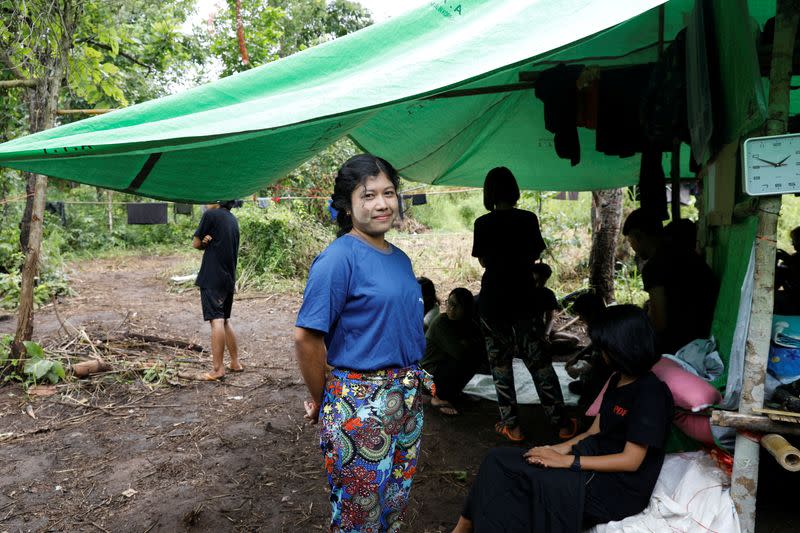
(367, 303)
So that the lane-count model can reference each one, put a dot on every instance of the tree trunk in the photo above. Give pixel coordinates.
(606, 219)
(42, 100)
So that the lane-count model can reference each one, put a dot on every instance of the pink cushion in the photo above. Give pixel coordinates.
(697, 427)
(689, 392)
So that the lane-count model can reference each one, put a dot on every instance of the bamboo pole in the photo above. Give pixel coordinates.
(744, 483)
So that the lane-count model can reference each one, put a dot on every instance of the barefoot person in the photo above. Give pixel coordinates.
(362, 315)
(606, 473)
(454, 350)
(218, 236)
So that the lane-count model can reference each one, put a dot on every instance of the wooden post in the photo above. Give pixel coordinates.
(744, 483)
(110, 212)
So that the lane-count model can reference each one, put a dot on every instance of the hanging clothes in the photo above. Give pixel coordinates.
(183, 209)
(619, 129)
(653, 184)
(419, 199)
(147, 213)
(556, 87)
(663, 108)
(58, 209)
(262, 203)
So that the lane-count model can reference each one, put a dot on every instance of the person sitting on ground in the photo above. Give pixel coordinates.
(588, 366)
(454, 349)
(217, 236)
(546, 305)
(682, 289)
(787, 278)
(430, 301)
(606, 473)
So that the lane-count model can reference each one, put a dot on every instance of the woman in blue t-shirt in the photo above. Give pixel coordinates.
(606, 473)
(362, 315)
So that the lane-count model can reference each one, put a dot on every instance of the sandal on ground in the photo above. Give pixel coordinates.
(504, 431)
(568, 429)
(234, 370)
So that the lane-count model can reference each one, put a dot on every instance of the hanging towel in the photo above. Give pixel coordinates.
(147, 213)
(419, 199)
(183, 209)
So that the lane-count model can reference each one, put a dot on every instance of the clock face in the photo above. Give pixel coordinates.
(772, 165)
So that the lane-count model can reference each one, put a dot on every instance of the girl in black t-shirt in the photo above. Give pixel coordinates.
(608, 472)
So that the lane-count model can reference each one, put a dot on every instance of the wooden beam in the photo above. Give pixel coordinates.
(754, 423)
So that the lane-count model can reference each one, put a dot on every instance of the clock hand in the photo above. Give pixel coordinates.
(782, 161)
(768, 162)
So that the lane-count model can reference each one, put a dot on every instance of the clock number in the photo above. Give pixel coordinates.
(756, 178)
(792, 184)
(778, 185)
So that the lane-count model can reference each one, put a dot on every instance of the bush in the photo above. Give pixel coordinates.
(277, 243)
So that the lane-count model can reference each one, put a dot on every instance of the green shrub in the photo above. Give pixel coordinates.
(278, 242)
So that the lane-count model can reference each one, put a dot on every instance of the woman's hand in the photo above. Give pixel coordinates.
(312, 411)
(548, 457)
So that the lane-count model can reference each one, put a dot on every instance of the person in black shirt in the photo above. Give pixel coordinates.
(218, 236)
(682, 289)
(507, 242)
(606, 473)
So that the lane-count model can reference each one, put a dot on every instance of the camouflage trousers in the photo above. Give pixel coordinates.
(520, 338)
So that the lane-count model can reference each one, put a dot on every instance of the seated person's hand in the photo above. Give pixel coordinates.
(782, 255)
(547, 457)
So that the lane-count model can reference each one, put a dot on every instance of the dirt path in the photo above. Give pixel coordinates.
(205, 456)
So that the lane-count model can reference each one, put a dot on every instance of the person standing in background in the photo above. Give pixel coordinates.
(217, 236)
(507, 242)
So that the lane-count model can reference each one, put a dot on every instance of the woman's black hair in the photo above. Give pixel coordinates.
(627, 337)
(500, 187)
(354, 172)
(465, 300)
(429, 298)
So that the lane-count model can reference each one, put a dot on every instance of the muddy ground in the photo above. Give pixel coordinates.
(115, 454)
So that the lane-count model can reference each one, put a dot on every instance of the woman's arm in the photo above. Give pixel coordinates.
(563, 448)
(629, 460)
(311, 353)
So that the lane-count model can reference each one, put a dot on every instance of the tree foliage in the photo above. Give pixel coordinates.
(276, 29)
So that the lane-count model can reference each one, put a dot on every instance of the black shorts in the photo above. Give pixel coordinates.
(216, 303)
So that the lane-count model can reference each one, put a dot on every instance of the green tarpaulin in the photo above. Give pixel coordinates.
(232, 137)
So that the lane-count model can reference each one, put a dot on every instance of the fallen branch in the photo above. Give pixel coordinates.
(166, 342)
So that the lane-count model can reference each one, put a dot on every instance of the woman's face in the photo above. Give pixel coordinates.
(453, 310)
(374, 205)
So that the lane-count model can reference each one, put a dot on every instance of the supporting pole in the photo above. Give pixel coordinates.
(675, 176)
(110, 212)
(744, 483)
